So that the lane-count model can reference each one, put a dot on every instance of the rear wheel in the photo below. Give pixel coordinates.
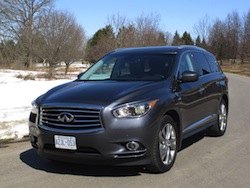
(219, 129)
(164, 147)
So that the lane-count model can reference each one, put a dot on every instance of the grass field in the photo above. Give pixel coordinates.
(238, 68)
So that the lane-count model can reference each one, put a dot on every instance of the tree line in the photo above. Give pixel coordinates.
(228, 39)
(34, 31)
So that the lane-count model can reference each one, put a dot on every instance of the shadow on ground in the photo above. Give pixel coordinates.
(31, 158)
(192, 140)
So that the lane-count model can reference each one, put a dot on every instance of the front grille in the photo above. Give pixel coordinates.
(81, 118)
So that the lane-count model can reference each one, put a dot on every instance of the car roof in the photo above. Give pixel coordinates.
(158, 49)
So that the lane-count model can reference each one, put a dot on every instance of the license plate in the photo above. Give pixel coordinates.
(65, 142)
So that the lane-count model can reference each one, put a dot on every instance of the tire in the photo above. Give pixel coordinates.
(220, 127)
(165, 146)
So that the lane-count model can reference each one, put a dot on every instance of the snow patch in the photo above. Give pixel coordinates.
(16, 96)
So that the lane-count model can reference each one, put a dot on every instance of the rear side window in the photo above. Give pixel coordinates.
(213, 63)
(201, 63)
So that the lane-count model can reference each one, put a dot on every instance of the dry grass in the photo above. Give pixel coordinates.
(242, 69)
(58, 73)
(26, 77)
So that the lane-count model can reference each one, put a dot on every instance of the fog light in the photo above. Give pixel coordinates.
(132, 146)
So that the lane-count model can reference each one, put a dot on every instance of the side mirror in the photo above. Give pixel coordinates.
(189, 76)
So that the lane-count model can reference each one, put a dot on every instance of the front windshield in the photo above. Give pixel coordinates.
(131, 67)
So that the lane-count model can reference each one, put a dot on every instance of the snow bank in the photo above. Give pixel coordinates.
(16, 96)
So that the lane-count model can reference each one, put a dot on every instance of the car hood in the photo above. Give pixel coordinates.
(101, 93)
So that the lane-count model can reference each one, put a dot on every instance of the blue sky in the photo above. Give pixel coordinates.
(180, 15)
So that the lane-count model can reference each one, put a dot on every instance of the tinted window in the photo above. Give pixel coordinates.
(213, 63)
(201, 63)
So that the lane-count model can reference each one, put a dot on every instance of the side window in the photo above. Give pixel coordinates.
(186, 64)
(201, 63)
(213, 63)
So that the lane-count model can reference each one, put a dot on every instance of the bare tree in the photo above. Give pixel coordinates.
(233, 26)
(74, 45)
(20, 20)
(60, 40)
(126, 37)
(202, 28)
(168, 38)
(245, 37)
(117, 22)
(217, 38)
(120, 33)
(148, 30)
(123, 30)
(144, 31)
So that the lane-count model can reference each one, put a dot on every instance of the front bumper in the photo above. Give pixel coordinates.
(106, 145)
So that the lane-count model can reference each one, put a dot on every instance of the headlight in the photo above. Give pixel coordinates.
(133, 110)
(34, 108)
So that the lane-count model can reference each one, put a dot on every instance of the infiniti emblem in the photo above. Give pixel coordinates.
(66, 117)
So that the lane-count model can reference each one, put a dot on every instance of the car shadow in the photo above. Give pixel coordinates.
(192, 140)
(32, 159)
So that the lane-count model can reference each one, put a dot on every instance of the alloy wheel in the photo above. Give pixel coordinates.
(223, 117)
(167, 144)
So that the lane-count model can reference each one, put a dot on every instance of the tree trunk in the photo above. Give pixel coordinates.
(66, 69)
(51, 71)
(44, 64)
(30, 61)
(242, 58)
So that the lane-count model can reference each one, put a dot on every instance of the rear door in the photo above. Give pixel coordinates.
(209, 78)
(217, 81)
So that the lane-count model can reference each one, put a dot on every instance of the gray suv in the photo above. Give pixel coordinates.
(133, 107)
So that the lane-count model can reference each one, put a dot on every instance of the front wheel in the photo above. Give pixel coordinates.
(164, 147)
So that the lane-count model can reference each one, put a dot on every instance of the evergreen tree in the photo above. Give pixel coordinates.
(204, 43)
(126, 37)
(8, 52)
(177, 39)
(187, 40)
(198, 41)
(101, 33)
(101, 43)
